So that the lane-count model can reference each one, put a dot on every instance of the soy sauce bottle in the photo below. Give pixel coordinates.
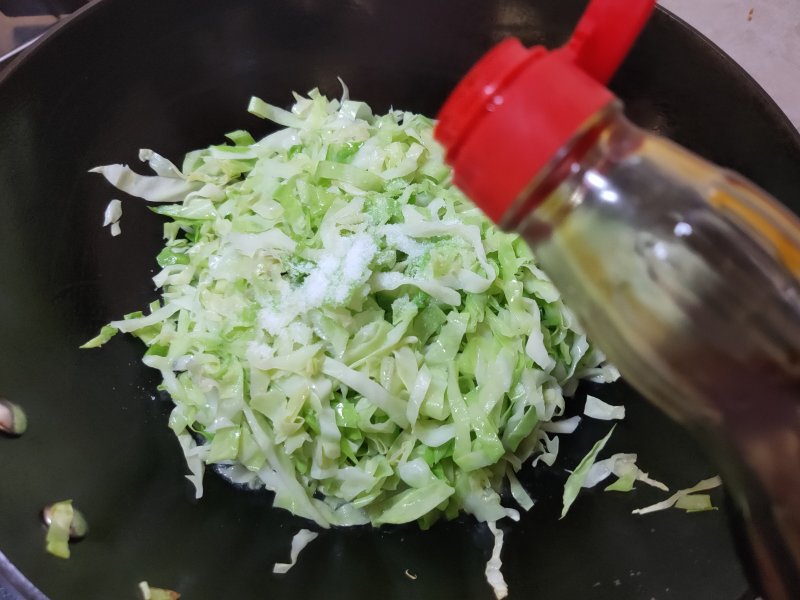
(686, 275)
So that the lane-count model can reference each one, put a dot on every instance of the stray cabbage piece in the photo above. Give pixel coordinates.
(151, 593)
(624, 467)
(64, 524)
(577, 478)
(112, 215)
(300, 540)
(494, 573)
(57, 540)
(340, 325)
(686, 499)
(597, 409)
(695, 503)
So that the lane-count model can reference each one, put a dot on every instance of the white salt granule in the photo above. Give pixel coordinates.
(332, 279)
(395, 238)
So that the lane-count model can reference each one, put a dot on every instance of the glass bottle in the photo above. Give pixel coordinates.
(686, 275)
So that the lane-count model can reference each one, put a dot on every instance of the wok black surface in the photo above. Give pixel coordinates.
(174, 75)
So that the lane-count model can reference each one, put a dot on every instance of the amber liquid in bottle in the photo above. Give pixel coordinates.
(687, 277)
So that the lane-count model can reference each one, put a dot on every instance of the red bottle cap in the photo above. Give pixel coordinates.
(517, 107)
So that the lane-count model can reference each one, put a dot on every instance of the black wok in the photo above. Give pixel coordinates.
(174, 75)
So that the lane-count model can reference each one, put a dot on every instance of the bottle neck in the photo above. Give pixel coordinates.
(608, 121)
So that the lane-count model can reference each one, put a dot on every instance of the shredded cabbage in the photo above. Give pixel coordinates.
(695, 503)
(494, 574)
(57, 539)
(300, 540)
(578, 478)
(111, 217)
(340, 325)
(597, 409)
(624, 467)
(686, 499)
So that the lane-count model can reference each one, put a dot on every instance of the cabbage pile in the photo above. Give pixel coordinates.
(340, 325)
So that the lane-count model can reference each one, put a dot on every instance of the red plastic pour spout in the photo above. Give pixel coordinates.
(517, 108)
(604, 35)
